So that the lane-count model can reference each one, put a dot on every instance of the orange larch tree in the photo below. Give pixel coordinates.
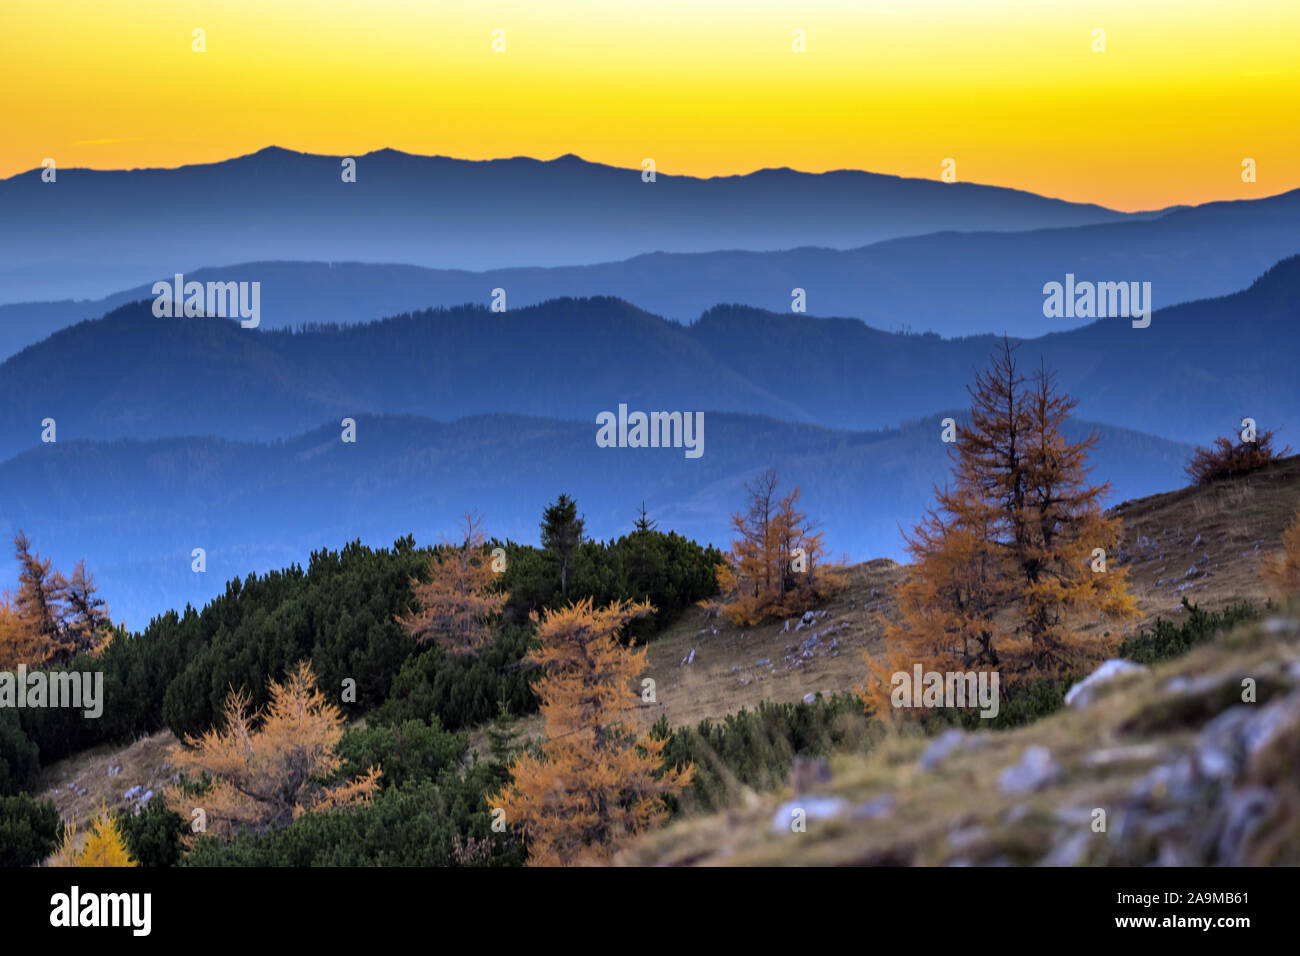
(1012, 563)
(265, 770)
(594, 783)
(20, 643)
(456, 605)
(41, 591)
(1062, 539)
(772, 568)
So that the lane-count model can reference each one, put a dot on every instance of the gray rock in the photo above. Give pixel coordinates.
(1035, 770)
(1073, 851)
(814, 806)
(810, 698)
(1017, 813)
(938, 749)
(1085, 692)
(965, 838)
(874, 809)
(1243, 813)
(1111, 756)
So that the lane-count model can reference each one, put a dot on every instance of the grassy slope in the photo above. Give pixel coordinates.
(959, 813)
(1231, 518)
(1114, 754)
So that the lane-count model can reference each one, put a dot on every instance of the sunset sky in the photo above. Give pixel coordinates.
(1012, 91)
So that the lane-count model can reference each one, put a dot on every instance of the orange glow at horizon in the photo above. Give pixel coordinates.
(1012, 91)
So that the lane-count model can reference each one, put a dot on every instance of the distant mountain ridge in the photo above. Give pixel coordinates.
(135, 510)
(952, 283)
(90, 231)
(1191, 375)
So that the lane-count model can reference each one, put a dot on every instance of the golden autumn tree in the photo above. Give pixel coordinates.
(456, 605)
(265, 769)
(949, 600)
(50, 618)
(1010, 565)
(1282, 570)
(595, 783)
(41, 590)
(775, 563)
(1062, 542)
(20, 643)
(104, 845)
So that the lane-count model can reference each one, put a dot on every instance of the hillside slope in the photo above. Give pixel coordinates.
(1206, 544)
(1186, 773)
(736, 668)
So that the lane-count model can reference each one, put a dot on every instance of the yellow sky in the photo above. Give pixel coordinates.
(1012, 90)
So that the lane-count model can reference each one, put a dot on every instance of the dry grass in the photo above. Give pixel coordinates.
(143, 763)
(957, 811)
(1231, 518)
(1239, 523)
(726, 676)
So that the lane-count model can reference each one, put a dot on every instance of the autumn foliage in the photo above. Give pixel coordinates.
(104, 845)
(1282, 570)
(594, 783)
(1227, 458)
(49, 618)
(20, 643)
(455, 605)
(776, 563)
(264, 770)
(1008, 567)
